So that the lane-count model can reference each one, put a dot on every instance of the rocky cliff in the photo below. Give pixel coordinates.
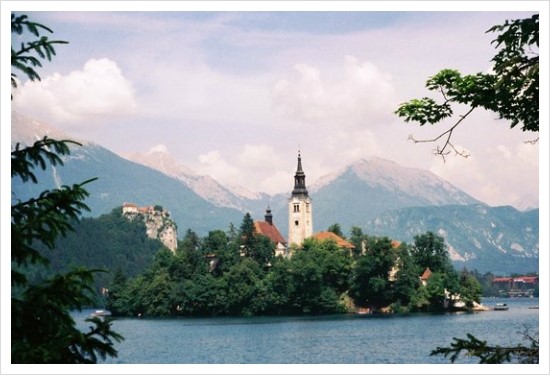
(157, 221)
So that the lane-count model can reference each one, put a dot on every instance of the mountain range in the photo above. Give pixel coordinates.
(377, 195)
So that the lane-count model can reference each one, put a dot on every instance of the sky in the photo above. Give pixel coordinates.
(235, 95)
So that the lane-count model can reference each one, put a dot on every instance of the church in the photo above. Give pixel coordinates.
(300, 220)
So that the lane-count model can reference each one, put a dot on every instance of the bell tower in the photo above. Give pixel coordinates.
(300, 218)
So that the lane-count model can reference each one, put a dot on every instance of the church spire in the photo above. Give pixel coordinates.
(300, 217)
(299, 179)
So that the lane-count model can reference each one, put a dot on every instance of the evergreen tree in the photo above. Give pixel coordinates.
(42, 328)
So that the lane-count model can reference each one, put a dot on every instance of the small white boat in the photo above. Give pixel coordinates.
(500, 307)
(100, 313)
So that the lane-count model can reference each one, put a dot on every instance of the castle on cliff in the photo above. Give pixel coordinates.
(157, 221)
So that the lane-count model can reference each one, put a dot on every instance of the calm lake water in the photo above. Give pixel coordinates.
(335, 339)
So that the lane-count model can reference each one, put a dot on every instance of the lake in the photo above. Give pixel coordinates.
(334, 339)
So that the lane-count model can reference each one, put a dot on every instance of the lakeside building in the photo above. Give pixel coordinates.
(519, 286)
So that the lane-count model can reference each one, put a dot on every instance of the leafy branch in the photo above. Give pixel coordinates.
(449, 132)
(511, 90)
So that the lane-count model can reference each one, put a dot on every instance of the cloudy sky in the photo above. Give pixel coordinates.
(236, 94)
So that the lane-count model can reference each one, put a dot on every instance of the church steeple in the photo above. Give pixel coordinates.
(300, 219)
(299, 180)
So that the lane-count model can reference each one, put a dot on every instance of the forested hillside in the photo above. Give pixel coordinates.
(110, 242)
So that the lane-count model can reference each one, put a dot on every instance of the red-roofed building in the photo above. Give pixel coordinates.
(129, 208)
(425, 276)
(268, 229)
(518, 286)
(329, 236)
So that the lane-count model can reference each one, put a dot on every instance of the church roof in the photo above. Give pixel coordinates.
(270, 231)
(325, 236)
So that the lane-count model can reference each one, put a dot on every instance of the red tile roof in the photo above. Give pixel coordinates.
(270, 231)
(426, 275)
(325, 236)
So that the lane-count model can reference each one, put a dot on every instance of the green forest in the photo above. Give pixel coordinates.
(110, 242)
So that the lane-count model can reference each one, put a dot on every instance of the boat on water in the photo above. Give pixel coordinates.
(100, 313)
(501, 307)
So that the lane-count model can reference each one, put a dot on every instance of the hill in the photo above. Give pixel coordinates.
(501, 240)
(367, 188)
(110, 242)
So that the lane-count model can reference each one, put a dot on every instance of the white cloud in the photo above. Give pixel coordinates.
(352, 94)
(258, 157)
(257, 167)
(195, 92)
(158, 148)
(499, 175)
(97, 91)
(213, 164)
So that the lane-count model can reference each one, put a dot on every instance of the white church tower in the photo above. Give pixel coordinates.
(300, 219)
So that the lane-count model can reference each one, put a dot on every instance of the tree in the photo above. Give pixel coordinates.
(279, 287)
(246, 234)
(511, 90)
(190, 259)
(370, 285)
(470, 289)
(24, 59)
(226, 252)
(336, 229)
(254, 245)
(429, 251)
(357, 239)
(244, 283)
(407, 281)
(42, 329)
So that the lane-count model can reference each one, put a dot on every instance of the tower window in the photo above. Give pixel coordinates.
(296, 208)
(296, 223)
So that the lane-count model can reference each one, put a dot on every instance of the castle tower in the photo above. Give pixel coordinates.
(300, 219)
